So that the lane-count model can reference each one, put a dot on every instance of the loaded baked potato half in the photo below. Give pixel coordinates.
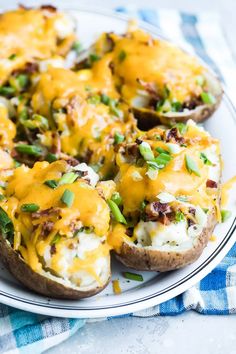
(159, 81)
(167, 199)
(71, 117)
(30, 37)
(53, 230)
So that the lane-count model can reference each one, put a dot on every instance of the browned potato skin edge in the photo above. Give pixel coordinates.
(148, 119)
(162, 261)
(36, 282)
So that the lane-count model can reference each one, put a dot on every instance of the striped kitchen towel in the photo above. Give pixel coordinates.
(22, 332)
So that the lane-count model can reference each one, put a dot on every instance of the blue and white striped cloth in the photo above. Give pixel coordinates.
(22, 332)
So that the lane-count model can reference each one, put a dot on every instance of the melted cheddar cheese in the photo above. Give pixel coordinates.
(7, 128)
(86, 129)
(137, 56)
(89, 210)
(173, 180)
(29, 34)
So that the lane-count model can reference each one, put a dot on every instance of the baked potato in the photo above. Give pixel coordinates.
(30, 36)
(162, 83)
(53, 230)
(168, 188)
(66, 118)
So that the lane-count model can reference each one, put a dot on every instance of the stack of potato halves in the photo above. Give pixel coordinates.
(100, 152)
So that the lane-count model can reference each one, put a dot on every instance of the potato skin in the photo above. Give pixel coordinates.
(148, 119)
(162, 261)
(36, 282)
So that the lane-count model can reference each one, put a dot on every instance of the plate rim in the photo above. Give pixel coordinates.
(155, 298)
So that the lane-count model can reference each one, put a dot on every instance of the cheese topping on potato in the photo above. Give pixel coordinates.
(29, 34)
(166, 177)
(64, 237)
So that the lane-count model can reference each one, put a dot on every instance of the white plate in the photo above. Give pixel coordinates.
(156, 288)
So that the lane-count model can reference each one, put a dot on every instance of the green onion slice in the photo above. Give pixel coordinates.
(122, 55)
(55, 239)
(68, 197)
(116, 197)
(208, 98)
(51, 183)
(118, 138)
(51, 157)
(68, 178)
(191, 166)
(133, 276)
(119, 217)
(29, 208)
(205, 159)
(146, 151)
(32, 150)
(225, 215)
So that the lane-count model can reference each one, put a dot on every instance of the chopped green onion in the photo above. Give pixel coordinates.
(146, 151)
(200, 80)
(105, 99)
(94, 57)
(208, 98)
(225, 215)
(122, 55)
(119, 217)
(182, 198)
(6, 226)
(77, 46)
(2, 197)
(7, 90)
(158, 137)
(205, 210)
(55, 239)
(30, 208)
(143, 205)
(51, 157)
(116, 197)
(179, 216)
(153, 165)
(95, 99)
(205, 159)
(166, 92)
(68, 197)
(17, 163)
(32, 150)
(36, 121)
(163, 159)
(176, 106)
(23, 115)
(118, 138)
(164, 107)
(182, 128)
(12, 56)
(152, 173)
(191, 166)
(133, 276)
(68, 178)
(160, 150)
(113, 108)
(23, 80)
(51, 183)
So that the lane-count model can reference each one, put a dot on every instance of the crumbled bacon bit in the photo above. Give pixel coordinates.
(157, 211)
(132, 149)
(129, 232)
(47, 227)
(48, 8)
(173, 135)
(45, 212)
(56, 145)
(53, 249)
(138, 141)
(192, 210)
(211, 184)
(150, 88)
